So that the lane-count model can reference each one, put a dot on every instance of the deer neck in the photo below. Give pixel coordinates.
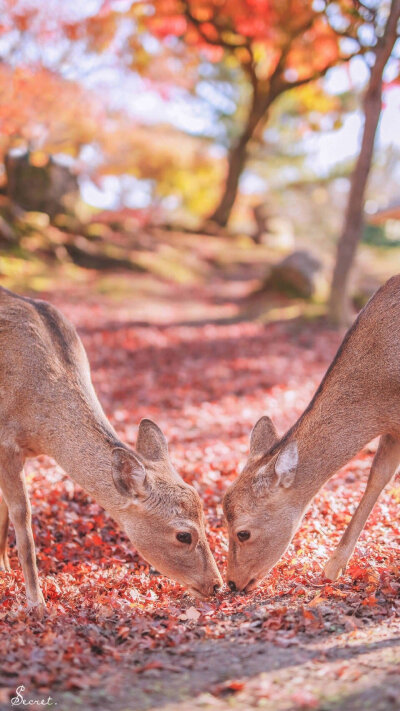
(82, 445)
(337, 424)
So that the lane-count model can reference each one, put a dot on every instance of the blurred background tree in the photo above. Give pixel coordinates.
(383, 22)
(274, 46)
(189, 115)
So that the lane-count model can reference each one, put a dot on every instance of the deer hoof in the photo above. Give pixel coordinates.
(333, 570)
(4, 562)
(37, 608)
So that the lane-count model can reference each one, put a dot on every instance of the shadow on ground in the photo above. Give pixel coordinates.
(328, 674)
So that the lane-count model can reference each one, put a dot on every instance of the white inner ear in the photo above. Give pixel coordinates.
(287, 461)
(138, 472)
(128, 472)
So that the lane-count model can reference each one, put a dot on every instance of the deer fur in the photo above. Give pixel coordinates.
(357, 400)
(48, 406)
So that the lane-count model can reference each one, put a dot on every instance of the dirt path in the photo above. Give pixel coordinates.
(335, 672)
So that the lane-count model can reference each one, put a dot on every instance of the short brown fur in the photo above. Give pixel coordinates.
(358, 400)
(48, 406)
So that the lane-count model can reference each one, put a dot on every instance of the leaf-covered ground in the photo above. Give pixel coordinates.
(118, 636)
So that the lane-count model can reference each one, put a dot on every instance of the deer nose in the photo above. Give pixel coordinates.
(232, 586)
(216, 588)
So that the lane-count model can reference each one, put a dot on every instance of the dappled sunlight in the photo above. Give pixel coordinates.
(317, 674)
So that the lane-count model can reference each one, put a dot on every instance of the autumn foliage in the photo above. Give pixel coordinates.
(277, 46)
(259, 32)
(205, 380)
(40, 112)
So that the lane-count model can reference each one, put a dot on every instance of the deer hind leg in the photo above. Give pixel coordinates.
(4, 520)
(385, 463)
(12, 484)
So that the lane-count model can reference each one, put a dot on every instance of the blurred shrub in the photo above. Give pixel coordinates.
(376, 235)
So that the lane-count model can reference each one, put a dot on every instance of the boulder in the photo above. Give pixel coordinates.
(295, 275)
(39, 188)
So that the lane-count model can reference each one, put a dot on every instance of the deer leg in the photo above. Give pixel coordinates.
(4, 562)
(12, 483)
(383, 467)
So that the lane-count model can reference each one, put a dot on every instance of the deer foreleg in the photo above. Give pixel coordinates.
(12, 484)
(383, 467)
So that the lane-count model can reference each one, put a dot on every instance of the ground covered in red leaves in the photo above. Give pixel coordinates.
(116, 635)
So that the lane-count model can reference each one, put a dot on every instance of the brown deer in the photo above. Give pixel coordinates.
(48, 406)
(357, 400)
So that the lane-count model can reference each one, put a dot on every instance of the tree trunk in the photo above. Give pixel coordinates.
(339, 303)
(339, 307)
(236, 162)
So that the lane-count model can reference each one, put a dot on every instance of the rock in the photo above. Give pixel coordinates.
(295, 275)
(39, 188)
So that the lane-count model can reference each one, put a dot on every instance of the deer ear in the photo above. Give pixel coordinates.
(128, 473)
(263, 437)
(286, 464)
(151, 442)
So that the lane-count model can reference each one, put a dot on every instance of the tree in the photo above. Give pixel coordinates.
(277, 45)
(40, 111)
(386, 37)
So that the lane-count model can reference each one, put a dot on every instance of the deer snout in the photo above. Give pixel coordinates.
(207, 589)
(215, 584)
(250, 585)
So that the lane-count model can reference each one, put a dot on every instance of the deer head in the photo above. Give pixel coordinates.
(162, 515)
(262, 507)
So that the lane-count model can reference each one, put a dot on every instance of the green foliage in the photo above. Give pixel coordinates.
(375, 235)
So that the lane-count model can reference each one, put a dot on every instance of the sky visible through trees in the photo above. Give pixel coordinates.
(136, 82)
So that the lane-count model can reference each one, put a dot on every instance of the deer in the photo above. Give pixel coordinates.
(358, 400)
(48, 405)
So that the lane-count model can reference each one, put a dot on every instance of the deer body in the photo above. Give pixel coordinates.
(48, 406)
(358, 400)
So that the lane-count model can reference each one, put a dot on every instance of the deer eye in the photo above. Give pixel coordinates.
(243, 536)
(184, 537)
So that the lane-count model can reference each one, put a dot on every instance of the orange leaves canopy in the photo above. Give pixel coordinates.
(40, 110)
(263, 32)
